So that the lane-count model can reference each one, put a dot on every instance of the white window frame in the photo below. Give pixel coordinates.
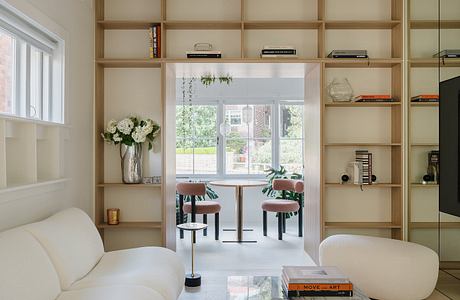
(30, 35)
(221, 171)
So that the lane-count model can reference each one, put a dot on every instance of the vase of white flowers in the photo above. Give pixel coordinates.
(131, 133)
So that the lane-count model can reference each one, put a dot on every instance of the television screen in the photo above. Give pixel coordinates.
(449, 111)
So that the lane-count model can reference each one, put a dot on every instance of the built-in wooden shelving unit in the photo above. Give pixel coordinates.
(240, 29)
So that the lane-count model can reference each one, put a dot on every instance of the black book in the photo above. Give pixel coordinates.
(204, 55)
(279, 51)
(317, 293)
(348, 56)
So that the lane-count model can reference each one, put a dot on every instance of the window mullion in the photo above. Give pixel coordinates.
(40, 87)
(276, 135)
(27, 62)
(221, 155)
(50, 90)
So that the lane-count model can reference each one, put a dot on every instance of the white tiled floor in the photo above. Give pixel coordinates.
(268, 253)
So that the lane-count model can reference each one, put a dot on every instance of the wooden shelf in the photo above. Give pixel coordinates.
(364, 225)
(365, 186)
(425, 104)
(434, 62)
(130, 186)
(362, 144)
(433, 225)
(424, 144)
(131, 225)
(282, 24)
(128, 25)
(421, 185)
(362, 104)
(361, 63)
(129, 63)
(314, 44)
(434, 24)
(209, 25)
(362, 24)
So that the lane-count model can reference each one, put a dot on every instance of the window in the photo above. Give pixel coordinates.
(248, 147)
(7, 67)
(228, 139)
(234, 117)
(291, 137)
(196, 139)
(31, 68)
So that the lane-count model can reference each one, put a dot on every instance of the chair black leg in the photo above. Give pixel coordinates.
(205, 221)
(181, 215)
(284, 222)
(280, 226)
(300, 215)
(265, 222)
(216, 221)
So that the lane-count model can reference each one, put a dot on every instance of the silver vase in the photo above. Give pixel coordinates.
(131, 163)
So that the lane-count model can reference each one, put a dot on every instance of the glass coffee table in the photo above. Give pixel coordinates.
(269, 288)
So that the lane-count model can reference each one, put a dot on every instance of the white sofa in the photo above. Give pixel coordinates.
(383, 268)
(63, 258)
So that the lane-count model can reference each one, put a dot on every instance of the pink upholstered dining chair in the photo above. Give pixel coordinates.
(284, 206)
(195, 189)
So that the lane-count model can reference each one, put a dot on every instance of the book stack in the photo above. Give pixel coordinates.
(315, 282)
(278, 52)
(155, 41)
(425, 98)
(365, 157)
(348, 54)
(373, 98)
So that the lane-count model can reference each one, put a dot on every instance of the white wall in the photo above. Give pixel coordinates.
(75, 19)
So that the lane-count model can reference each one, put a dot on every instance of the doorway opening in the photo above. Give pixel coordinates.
(236, 121)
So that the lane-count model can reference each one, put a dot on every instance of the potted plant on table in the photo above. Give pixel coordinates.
(131, 133)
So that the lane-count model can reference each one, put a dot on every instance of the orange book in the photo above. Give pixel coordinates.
(374, 96)
(320, 287)
(428, 96)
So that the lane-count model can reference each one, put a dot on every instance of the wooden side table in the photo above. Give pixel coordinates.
(193, 279)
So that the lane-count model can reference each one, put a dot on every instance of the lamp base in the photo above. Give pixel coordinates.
(192, 281)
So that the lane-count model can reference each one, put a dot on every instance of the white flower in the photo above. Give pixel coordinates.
(112, 126)
(139, 135)
(125, 126)
(117, 138)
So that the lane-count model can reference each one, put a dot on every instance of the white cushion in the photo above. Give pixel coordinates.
(384, 269)
(119, 292)
(26, 272)
(153, 267)
(71, 241)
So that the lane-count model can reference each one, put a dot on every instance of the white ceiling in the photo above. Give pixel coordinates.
(244, 70)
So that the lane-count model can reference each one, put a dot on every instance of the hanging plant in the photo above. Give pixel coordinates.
(209, 79)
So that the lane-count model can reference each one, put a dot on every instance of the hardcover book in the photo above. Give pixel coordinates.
(204, 54)
(373, 98)
(425, 98)
(348, 54)
(310, 274)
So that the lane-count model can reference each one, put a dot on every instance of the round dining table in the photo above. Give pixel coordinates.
(238, 185)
